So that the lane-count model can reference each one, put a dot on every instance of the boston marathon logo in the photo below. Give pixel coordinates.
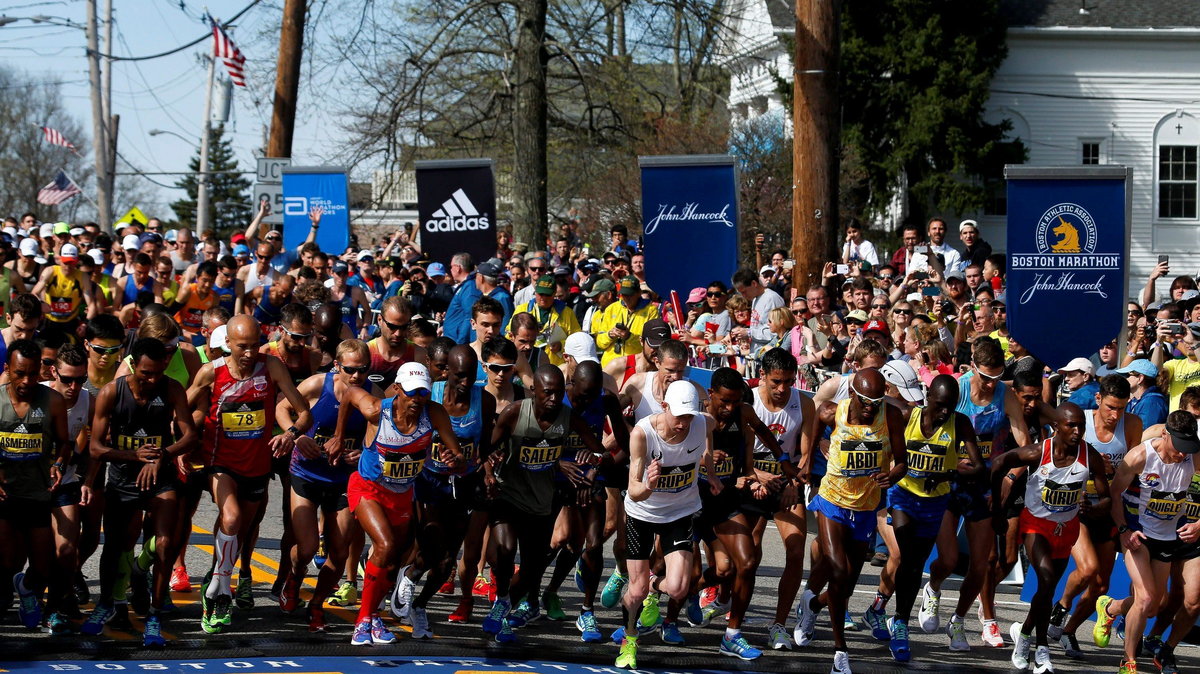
(1066, 243)
(457, 214)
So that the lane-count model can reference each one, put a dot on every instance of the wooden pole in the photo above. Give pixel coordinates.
(816, 139)
(287, 79)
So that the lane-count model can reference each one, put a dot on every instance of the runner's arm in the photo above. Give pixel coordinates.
(895, 426)
(367, 405)
(283, 379)
(1099, 479)
(620, 432)
(638, 490)
(310, 388)
(1130, 467)
(965, 433)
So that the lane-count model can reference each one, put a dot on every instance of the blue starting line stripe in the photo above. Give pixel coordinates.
(328, 665)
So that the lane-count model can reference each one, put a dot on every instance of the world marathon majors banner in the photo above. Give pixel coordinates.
(305, 187)
(689, 220)
(456, 208)
(332, 665)
(1068, 253)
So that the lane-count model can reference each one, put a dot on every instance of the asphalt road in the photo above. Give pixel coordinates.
(265, 631)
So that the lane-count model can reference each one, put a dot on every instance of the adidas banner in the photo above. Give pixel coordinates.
(456, 203)
(690, 214)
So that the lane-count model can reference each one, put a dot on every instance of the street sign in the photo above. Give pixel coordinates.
(274, 194)
(270, 169)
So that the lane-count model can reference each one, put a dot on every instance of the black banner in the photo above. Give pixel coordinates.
(456, 203)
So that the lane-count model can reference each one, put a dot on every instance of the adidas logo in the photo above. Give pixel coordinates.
(35, 414)
(21, 429)
(457, 214)
(140, 433)
(244, 408)
(157, 402)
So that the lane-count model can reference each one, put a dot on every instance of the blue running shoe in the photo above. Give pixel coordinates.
(29, 607)
(524, 614)
(695, 615)
(898, 631)
(152, 636)
(100, 616)
(738, 647)
(618, 635)
(611, 594)
(877, 621)
(579, 576)
(494, 621)
(362, 634)
(669, 631)
(506, 635)
(380, 634)
(588, 630)
(57, 623)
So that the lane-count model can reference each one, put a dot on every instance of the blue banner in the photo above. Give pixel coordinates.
(689, 218)
(307, 187)
(1068, 234)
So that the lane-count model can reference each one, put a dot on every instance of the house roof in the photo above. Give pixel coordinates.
(783, 15)
(1101, 13)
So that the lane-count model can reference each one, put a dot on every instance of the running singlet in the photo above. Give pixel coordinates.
(64, 294)
(855, 454)
(131, 289)
(468, 429)
(594, 418)
(1114, 449)
(928, 456)
(324, 414)
(241, 415)
(298, 374)
(77, 420)
(527, 474)
(676, 494)
(132, 425)
(394, 459)
(1054, 493)
(190, 314)
(26, 445)
(1159, 495)
(225, 297)
(785, 425)
(347, 305)
(265, 312)
(989, 421)
(383, 371)
(732, 442)
(647, 405)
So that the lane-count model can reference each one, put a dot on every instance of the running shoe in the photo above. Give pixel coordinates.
(345, 596)
(841, 663)
(495, 617)
(588, 630)
(695, 615)
(957, 632)
(1151, 645)
(100, 616)
(319, 558)
(1070, 646)
(206, 608)
(579, 581)
(1102, 630)
(554, 610)
(1020, 654)
(506, 635)
(29, 607)
(1058, 618)
(709, 594)
(316, 619)
(991, 634)
(627, 658)
(1165, 660)
(806, 620)
(222, 613)
(152, 634)
(777, 638)
(80, 587)
(362, 634)
(1119, 627)
(611, 594)
(650, 610)
(58, 624)
(180, 582)
(289, 597)
(898, 631)
(482, 587)
(139, 589)
(402, 594)
(419, 619)
(448, 586)
(462, 613)
(524, 614)
(877, 622)
(714, 609)
(1128, 667)
(927, 618)
(380, 634)
(669, 631)
(738, 647)
(849, 624)
(243, 596)
(1041, 661)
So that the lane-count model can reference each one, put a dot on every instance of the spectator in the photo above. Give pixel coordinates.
(536, 266)
(457, 325)
(487, 280)
(1106, 360)
(619, 243)
(771, 280)
(856, 248)
(974, 276)
(1079, 385)
(910, 236)
(762, 300)
(950, 258)
(1145, 399)
(993, 271)
(975, 249)
(625, 320)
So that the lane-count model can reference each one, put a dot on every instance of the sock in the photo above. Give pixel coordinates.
(732, 633)
(146, 557)
(584, 609)
(880, 603)
(121, 585)
(375, 586)
(226, 552)
(956, 618)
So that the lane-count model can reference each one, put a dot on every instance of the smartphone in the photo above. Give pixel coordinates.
(1164, 259)
(931, 291)
(920, 275)
(789, 264)
(716, 348)
(920, 249)
(842, 269)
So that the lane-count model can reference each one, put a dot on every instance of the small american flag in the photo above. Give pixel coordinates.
(226, 50)
(55, 137)
(60, 190)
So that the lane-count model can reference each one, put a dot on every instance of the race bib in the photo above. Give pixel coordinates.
(540, 457)
(721, 469)
(925, 460)
(768, 465)
(1061, 498)
(19, 444)
(400, 469)
(465, 446)
(60, 306)
(348, 444)
(860, 458)
(244, 421)
(985, 449)
(131, 443)
(674, 479)
(1164, 505)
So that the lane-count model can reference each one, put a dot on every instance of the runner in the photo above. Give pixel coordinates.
(392, 348)
(195, 299)
(866, 435)
(1060, 467)
(662, 500)
(24, 319)
(1148, 523)
(67, 293)
(134, 434)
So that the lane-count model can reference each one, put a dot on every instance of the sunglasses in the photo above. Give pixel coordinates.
(985, 375)
(69, 381)
(902, 312)
(865, 400)
(1135, 312)
(879, 306)
(394, 327)
(417, 393)
(274, 237)
(714, 294)
(500, 368)
(298, 335)
(105, 350)
(47, 362)
(362, 369)
(798, 313)
(885, 278)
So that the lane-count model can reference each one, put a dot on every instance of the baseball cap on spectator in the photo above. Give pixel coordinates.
(599, 286)
(61, 228)
(364, 255)
(655, 332)
(901, 375)
(218, 340)
(172, 235)
(29, 248)
(590, 266)
(241, 249)
(956, 274)
(413, 377)
(77, 231)
(544, 285)
(876, 325)
(68, 253)
(435, 269)
(858, 315)
(563, 270)
(681, 398)
(237, 238)
(1140, 366)
(581, 347)
(629, 286)
(11, 231)
(766, 268)
(47, 229)
(490, 268)
(967, 224)
(697, 295)
(1078, 365)
(149, 237)
(130, 242)
(97, 255)
(340, 267)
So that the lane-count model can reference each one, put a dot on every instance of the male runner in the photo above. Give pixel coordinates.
(66, 292)
(24, 319)
(196, 298)
(392, 348)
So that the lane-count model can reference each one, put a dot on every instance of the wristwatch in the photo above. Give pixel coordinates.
(1122, 529)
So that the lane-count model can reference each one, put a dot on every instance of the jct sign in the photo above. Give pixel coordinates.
(1068, 248)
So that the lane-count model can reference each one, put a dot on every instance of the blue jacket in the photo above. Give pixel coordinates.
(457, 325)
(1152, 407)
(1085, 396)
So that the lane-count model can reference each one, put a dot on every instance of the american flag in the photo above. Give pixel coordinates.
(225, 49)
(55, 137)
(60, 190)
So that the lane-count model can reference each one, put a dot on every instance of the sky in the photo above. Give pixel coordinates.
(165, 93)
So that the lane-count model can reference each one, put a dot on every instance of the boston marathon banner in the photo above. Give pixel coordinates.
(456, 203)
(307, 186)
(1068, 248)
(689, 220)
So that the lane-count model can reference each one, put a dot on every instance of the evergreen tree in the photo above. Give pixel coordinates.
(225, 187)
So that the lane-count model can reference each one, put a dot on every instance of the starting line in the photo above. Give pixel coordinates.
(332, 665)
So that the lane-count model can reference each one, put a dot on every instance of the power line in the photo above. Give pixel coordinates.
(224, 24)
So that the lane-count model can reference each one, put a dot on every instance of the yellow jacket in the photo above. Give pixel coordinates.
(634, 320)
(559, 315)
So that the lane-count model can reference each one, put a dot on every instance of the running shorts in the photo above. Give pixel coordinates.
(639, 536)
(861, 523)
(398, 507)
(1060, 535)
(926, 512)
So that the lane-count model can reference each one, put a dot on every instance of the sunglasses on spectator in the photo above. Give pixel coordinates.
(885, 277)
(274, 237)
(879, 306)
(799, 312)
(714, 293)
(47, 362)
(1135, 312)
(362, 369)
(71, 380)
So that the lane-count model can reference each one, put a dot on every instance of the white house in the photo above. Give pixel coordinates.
(1085, 82)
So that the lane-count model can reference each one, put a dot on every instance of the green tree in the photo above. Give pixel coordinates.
(229, 203)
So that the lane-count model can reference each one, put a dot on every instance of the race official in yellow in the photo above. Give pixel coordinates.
(623, 322)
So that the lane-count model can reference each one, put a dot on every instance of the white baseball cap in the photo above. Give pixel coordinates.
(97, 255)
(69, 251)
(218, 339)
(1078, 365)
(581, 347)
(29, 248)
(901, 375)
(130, 242)
(412, 377)
(77, 231)
(11, 231)
(46, 230)
(681, 398)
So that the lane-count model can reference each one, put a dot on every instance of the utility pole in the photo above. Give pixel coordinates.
(100, 144)
(287, 79)
(816, 139)
(110, 120)
(202, 223)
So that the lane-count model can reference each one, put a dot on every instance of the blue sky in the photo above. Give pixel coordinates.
(165, 93)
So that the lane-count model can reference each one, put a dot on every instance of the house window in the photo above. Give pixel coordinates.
(1090, 152)
(1177, 181)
